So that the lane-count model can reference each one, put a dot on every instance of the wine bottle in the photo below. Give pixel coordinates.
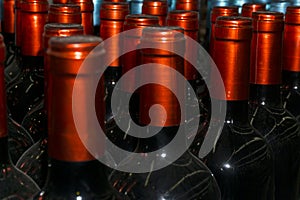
(290, 63)
(189, 21)
(112, 16)
(278, 126)
(241, 160)
(218, 11)
(35, 160)
(73, 172)
(27, 88)
(86, 8)
(129, 61)
(64, 13)
(249, 8)
(157, 8)
(187, 177)
(13, 183)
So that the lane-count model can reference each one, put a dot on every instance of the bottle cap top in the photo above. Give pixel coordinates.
(249, 8)
(114, 10)
(218, 11)
(233, 38)
(64, 13)
(188, 20)
(35, 6)
(267, 21)
(292, 15)
(155, 7)
(85, 5)
(191, 5)
(60, 30)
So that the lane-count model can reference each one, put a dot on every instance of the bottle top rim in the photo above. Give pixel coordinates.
(140, 20)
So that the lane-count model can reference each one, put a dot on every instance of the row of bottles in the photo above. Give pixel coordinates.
(256, 155)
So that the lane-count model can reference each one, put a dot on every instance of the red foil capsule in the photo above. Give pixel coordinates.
(219, 11)
(249, 8)
(64, 13)
(291, 39)
(18, 35)
(3, 118)
(8, 16)
(86, 8)
(112, 17)
(192, 5)
(131, 59)
(157, 8)
(189, 21)
(65, 55)
(266, 50)
(232, 57)
(34, 17)
(60, 1)
(151, 94)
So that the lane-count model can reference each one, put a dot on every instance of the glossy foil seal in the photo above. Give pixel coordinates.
(249, 8)
(8, 16)
(18, 35)
(266, 50)
(33, 18)
(219, 11)
(157, 8)
(232, 57)
(65, 56)
(151, 94)
(3, 118)
(291, 39)
(132, 59)
(189, 22)
(193, 5)
(87, 9)
(65, 14)
(112, 17)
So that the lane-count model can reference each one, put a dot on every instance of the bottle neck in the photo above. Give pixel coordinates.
(266, 95)
(291, 79)
(4, 157)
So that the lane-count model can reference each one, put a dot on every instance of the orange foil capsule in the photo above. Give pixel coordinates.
(112, 17)
(60, 1)
(131, 59)
(219, 11)
(65, 56)
(8, 17)
(232, 57)
(266, 50)
(193, 5)
(34, 17)
(150, 94)
(189, 21)
(3, 117)
(157, 8)
(86, 8)
(291, 39)
(65, 14)
(249, 8)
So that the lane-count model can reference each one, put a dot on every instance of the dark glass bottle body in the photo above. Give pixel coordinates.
(241, 160)
(281, 130)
